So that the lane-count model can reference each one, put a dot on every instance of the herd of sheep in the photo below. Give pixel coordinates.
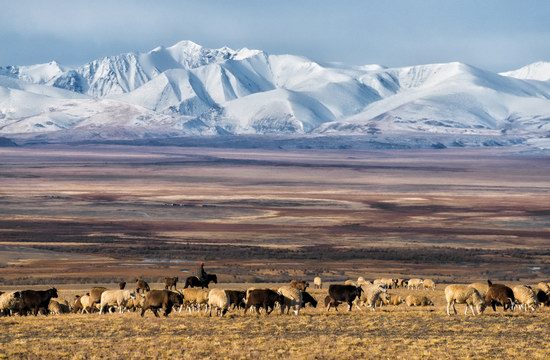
(360, 294)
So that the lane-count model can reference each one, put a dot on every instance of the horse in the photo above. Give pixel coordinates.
(193, 281)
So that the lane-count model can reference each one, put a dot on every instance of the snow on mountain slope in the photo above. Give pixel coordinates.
(536, 71)
(225, 84)
(31, 108)
(187, 89)
(37, 74)
(453, 98)
(275, 111)
(123, 73)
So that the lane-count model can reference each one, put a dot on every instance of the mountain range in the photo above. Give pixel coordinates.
(190, 90)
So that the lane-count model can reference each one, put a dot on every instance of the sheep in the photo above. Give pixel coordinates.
(82, 304)
(58, 308)
(115, 298)
(161, 299)
(293, 298)
(361, 281)
(416, 300)
(317, 283)
(383, 300)
(195, 297)
(480, 287)
(414, 283)
(544, 286)
(428, 284)
(396, 300)
(388, 283)
(370, 295)
(499, 294)
(401, 283)
(95, 296)
(219, 299)
(525, 297)
(350, 282)
(300, 285)
(142, 286)
(329, 303)
(464, 294)
(543, 298)
(9, 302)
(135, 304)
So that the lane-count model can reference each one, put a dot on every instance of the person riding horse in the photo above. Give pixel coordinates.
(201, 274)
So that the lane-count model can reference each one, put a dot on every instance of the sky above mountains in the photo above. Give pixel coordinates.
(496, 35)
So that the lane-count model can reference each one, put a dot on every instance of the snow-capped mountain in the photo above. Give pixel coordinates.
(36, 74)
(187, 89)
(536, 71)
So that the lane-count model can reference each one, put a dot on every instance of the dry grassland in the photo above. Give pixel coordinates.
(411, 333)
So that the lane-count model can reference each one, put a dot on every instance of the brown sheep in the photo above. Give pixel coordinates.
(95, 297)
(300, 285)
(329, 303)
(142, 286)
(501, 295)
(171, 282)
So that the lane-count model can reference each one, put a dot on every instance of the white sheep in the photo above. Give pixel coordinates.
(218, 298)
(317, 283)
(388, 283)
(369, 295)
(8, 302)
(428, 284)
(415, 300)
(57, 308)
(464, 294)
(86, 303)
(482, 288)
(293, 298)
(414, 283)
(525, 297)
(195, 298)
(117, 298)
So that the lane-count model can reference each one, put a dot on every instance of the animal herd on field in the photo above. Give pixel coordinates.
(195, 296)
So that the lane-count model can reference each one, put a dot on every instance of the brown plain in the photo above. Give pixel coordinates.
(110, 213)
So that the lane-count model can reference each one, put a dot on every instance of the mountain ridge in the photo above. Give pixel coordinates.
(187, 89)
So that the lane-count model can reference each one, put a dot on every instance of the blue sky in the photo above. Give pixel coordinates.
(492, 34)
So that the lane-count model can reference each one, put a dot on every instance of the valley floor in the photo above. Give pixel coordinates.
(111, 212)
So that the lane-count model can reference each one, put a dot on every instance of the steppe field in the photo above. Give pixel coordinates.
(76, 216)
